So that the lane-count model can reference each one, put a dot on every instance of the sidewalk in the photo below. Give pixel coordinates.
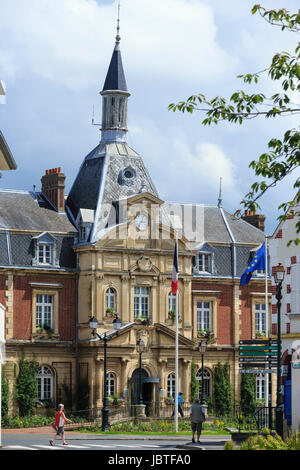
(84, 436)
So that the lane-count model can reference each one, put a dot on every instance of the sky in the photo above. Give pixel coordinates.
(54, 56)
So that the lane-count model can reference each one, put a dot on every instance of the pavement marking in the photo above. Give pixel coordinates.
(48, 447)
(16, 447)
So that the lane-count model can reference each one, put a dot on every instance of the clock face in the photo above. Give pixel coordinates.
(141, 221)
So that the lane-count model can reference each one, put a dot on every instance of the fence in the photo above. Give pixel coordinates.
(262, 417)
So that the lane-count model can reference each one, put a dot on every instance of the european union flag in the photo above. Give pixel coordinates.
(258, 262)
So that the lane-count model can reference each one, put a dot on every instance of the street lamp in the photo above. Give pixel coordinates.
(202, 349)
(94, 325)
(140, 346)
(279, 273)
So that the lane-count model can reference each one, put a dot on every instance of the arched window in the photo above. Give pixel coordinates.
(110, 384)
(110, 297)
(171, 385)
(44, 379)
(172, 302)
(206, 382)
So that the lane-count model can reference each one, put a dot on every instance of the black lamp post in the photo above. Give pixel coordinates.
(202, 349)
(279, 277)
(140, 346)
(105, 338)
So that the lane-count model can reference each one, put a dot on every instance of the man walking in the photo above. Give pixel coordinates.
(197, 416)
(179, 405)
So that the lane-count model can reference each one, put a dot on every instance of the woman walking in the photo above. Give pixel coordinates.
(60, 420)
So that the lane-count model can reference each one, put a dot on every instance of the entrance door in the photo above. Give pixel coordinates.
(145, 390)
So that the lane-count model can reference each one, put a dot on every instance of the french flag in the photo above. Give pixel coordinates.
(175, 271)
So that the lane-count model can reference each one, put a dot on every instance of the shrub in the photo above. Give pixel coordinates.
(223, 392)
(4, 397)
(26, 387)
(248, 398)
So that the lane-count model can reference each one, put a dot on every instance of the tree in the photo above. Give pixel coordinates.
(26, 386)
(248, 398)
(283, 157)
(222, 390)
(194, 382)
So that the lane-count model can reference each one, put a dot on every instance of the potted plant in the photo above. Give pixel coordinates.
(208, 335)
(110, 311)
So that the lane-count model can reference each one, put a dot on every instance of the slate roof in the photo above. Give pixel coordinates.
(115, 78)
(25, 215)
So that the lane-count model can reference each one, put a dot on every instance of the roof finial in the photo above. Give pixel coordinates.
(118, 37)
(220, 193)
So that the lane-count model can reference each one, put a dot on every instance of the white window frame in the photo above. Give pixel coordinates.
(260, 317)
(171, 385)
(141, 302)
(45, 381)
(110, 298)
(45, 253)
(171, 302)
(204, 315)
(44, 310)
(110, 384)
(205, 259)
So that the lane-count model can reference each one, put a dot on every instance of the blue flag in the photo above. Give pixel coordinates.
(258, 262)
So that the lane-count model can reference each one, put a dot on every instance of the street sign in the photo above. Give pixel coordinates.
(257, 371)
(255, 364)
(258, 353)
(258, 341)
(263, 359)
(258, 348)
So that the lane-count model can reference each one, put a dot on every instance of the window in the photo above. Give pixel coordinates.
(44, 379)
(110, 384)
(260, 318)
(44, 253)
(171, 385)
(206, 382)
(44, 311)
(260, 387)
(110, 297)
(203, 316)
(204, 262)
(172, 302)
(141, 302)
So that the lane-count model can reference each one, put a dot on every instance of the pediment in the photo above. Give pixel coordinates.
(45, 237)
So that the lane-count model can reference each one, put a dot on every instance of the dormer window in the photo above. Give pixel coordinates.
(45, 253)
(45, 250)
(203, 263)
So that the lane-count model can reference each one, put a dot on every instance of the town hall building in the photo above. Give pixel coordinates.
(105, 251)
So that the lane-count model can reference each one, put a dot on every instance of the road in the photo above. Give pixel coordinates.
(30, 442)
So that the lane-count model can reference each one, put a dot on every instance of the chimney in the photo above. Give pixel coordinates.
(53, 187)
(257, 220)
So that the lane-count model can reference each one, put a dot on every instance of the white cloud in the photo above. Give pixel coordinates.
(70, 41)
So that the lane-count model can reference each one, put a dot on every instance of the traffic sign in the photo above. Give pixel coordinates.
(255, 364)
(258, 341)
(257, 353)
(257, 371)
(257, 359)
(258, 348)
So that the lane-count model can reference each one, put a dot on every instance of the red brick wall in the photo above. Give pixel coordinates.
(23, 305)
(224, 309)
(246, 309)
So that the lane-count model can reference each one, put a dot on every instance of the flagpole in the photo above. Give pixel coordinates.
(267, 378)
(176, 355)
